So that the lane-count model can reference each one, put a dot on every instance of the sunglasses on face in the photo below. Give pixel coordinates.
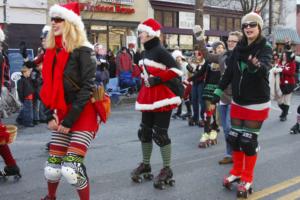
(57, 19)
(250, 25)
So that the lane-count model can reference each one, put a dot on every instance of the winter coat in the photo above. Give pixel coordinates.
(157, 62)
(249, 82)
(25, 88)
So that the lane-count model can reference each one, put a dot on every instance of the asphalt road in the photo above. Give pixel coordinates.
(116, 151)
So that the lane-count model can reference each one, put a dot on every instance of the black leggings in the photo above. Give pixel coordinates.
(159, 119)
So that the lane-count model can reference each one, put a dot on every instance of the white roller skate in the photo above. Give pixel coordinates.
(244, 190)
(229, 180)
(204, 141)
(213, 137)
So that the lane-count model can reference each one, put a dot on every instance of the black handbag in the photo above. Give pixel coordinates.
(287, 88)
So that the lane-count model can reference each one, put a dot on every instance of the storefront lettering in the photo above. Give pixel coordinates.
(117, 8)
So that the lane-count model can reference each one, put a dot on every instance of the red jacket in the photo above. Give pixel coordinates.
(288, 73)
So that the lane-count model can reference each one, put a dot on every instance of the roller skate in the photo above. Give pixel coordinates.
(204, 141)
(192, 122)
(176, 116)
(186, 116)
(142, 172)
(229, 180)
(213, 137)
(244, 189)
(295, 129)
(164, 178)
(11, 171)
(48, 198)
(215, 127)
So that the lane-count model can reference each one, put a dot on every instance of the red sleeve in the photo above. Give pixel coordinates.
(170, 73)
(290, 69)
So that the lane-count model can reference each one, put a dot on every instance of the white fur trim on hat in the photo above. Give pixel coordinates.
(2, 36)
(149, 30)
(59, 11)
(253, 17)
(177, 53)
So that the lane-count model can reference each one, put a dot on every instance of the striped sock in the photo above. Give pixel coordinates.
(147, 151)
(166, 155)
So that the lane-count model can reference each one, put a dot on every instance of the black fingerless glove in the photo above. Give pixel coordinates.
(190, 68)
(154, 80)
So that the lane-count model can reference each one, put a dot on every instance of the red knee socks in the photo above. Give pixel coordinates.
(7, 156)
(52, 187)
(238, 163)
(84, 194)
(248, 172)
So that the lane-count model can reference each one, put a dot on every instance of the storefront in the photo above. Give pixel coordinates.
(113, 23)
(178, 20)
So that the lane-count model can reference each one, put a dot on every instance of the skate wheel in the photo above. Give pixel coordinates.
(136, 179)
(228, 186)
(171, 183)
(148, 176)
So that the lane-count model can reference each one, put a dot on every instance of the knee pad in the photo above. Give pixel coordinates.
(74, 171)
(52, 170)
(233, 139)
(160, 136)
(145, 133)
(249, 143)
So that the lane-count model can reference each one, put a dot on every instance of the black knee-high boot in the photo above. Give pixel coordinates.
(281, 106)
(285, 113)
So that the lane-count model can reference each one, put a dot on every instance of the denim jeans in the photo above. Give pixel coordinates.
(25, 116)
(38, 110)
(224, 111)
(197, 100)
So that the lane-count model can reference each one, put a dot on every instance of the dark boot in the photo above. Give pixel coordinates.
(281, 106)
(285, 113)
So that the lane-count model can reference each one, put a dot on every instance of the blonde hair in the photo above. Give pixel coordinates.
(72, 37)
(237, 34)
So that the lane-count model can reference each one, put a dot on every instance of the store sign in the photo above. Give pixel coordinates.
(122, 2)
(186, 20)
(117, 8)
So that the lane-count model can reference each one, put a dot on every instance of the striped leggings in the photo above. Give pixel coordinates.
(76, 142)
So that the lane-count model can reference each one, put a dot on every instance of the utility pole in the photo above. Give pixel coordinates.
(270, 16)
(4, 13)
(199, 12)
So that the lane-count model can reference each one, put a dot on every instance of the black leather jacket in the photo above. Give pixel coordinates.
(79, 81)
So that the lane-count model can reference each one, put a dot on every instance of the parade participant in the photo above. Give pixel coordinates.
(287, 82)
(296, 128)
(247, 71)
(220, 58)
(157, 97)
(195, 64)
(11, 168)
(69, 73)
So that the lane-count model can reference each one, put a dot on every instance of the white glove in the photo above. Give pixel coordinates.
(198, 32)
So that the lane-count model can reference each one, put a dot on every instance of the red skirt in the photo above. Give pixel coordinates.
(158, 98)
(258, 112)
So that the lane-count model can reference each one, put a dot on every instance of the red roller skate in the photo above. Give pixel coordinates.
(244, 190)
(229, 180)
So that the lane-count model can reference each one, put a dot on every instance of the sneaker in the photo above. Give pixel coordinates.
(226, 160)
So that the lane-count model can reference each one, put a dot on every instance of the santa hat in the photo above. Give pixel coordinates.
(177, 53)
(150, 26)
(69, 12)
(2, 36)
(253, 17)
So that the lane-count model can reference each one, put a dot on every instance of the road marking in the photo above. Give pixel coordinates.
(291, 196)
(275, 188)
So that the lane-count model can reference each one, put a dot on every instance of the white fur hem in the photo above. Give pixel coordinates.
(158, 104)
(59, 11)
(149, 30)
(2, 36)
(152, 63)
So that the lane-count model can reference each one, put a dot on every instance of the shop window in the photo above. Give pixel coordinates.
(213, 23)
(222, 25)
(186, 42)
(237, 24)
(171, 41)
(102, 39)
(158, 15)
(229, 24)
(168, 19)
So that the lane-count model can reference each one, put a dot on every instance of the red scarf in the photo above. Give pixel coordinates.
(52, 92)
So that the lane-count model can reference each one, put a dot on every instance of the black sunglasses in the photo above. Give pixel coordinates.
(250, 25)
(57, 19)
